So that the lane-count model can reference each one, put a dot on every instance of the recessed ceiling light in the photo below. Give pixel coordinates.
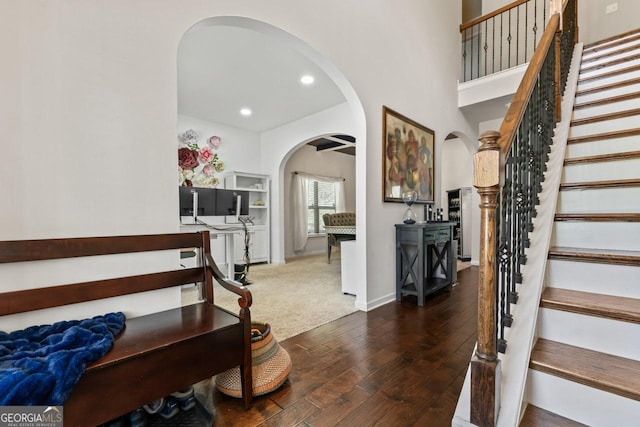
(245, 112)
(307, 79)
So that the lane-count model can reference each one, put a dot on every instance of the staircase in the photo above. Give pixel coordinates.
(585, 365)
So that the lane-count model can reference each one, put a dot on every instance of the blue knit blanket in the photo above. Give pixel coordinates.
(41, 364)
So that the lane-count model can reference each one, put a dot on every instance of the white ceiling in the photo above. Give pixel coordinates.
(222, 69)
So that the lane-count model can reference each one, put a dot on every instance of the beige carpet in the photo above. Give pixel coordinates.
(295, 297)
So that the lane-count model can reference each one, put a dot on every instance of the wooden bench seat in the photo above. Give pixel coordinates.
(156, 354)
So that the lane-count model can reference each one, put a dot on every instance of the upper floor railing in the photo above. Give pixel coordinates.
(509, 171)
(502, 39)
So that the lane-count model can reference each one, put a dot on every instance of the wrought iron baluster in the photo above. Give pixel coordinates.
(526, 30)
(509, 42)
(485, 48)
(501, 26)
(493, 45)
(517, 35)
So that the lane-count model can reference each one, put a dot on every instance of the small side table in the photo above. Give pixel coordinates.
(424, 258)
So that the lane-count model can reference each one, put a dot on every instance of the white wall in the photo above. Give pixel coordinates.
(326, 163)
(595, 24)
(240, 149)
(89, 104)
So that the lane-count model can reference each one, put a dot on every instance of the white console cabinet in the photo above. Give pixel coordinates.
(259, 211)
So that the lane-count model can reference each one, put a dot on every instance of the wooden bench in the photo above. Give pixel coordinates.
(156, 354)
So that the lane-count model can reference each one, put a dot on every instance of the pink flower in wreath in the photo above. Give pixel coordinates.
(209, 170)
(187, 158)
(206, 154)
(215, 141)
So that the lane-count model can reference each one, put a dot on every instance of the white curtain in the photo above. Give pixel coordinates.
(299, 204)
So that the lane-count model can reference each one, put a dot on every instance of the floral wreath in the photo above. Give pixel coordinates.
(191, 157)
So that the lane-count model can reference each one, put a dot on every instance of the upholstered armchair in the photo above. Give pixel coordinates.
(345, 219)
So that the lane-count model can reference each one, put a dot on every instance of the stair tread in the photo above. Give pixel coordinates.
(613, 62)
(607, 74)
(599, 217)
(625, 155)
(604, 135)
(538, 417)
(604, 117)
(617, 183)
(617, 51)
(609, 100)
(606, 306)
(604, 256)
(603, 371)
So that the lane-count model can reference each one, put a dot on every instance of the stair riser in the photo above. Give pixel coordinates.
(623, 169)
(614, 200)
(614, 107)
(593, 277)
(604, 235)
(595, 96)
(607, 80)
(610, 125)
(608, 68)
(605, 55)
(594, 333)
(618, 40)
(608, 146)
(614, 55)
(575, 401)
(609, 49)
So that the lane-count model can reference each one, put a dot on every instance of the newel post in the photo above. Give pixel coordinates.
(555, 6)
(485, 366)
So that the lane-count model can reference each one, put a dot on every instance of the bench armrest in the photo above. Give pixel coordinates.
(245, 299)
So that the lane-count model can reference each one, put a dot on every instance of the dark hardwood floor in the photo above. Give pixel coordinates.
(397, 365)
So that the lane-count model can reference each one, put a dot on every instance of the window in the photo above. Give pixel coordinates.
(321, 199)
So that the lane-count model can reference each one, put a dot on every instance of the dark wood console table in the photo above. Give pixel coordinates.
(424, 259)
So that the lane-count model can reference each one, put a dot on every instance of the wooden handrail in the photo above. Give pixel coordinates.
(489, 177)
(516, 110)
(491, 14)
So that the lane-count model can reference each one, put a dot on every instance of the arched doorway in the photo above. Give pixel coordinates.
(265, 149)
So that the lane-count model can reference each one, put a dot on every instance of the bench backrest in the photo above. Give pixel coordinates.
(54, 296)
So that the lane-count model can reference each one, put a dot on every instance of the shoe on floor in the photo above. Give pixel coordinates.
(185, 398)
(155, 406)
(170, 408)
(137, 418)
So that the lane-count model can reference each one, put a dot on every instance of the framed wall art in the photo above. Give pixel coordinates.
(408, 158)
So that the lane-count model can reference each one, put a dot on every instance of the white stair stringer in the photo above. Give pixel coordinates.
(576, 401)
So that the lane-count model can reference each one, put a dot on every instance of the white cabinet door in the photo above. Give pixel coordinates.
(258, 245)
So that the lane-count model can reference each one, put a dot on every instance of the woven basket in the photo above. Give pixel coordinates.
(271, 365)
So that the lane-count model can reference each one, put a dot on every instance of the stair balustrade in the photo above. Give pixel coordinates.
(504, 38)
(509, 171)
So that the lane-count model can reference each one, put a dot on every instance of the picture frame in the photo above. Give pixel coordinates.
(408, 153)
